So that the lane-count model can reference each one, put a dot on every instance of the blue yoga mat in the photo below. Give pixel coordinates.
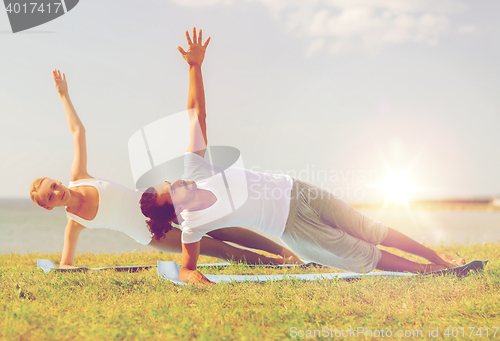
(47, 265)
(170, 272)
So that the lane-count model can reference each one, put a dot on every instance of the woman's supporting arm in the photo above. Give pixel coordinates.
(71, 235)
(79, 166)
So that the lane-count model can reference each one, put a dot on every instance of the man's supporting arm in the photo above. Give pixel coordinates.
(189, 258)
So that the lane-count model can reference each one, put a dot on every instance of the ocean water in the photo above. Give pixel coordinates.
(442, 227)
(25, 227)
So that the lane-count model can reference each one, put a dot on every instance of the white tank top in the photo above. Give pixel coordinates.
(119, 210)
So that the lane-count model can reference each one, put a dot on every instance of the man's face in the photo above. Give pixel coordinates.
(180, 193)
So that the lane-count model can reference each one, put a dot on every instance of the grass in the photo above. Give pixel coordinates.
(109, 305)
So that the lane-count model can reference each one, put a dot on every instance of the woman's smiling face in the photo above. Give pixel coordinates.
(52, 193)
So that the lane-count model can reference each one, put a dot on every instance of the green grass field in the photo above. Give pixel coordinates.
(109, 305)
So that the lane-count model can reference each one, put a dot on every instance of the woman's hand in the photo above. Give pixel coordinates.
(196, 51)
(60, 81)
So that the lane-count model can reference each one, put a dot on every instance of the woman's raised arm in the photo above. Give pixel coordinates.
(79, 166)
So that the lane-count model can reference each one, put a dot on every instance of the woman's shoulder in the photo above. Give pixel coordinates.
(79, 181)
(81, 177)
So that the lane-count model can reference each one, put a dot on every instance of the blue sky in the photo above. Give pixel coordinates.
(341, 93)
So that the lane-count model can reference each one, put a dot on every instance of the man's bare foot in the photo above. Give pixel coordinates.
(448, 261)
(426, 268)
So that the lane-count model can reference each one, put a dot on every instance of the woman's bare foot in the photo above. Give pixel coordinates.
(290, 257)
(281, 261)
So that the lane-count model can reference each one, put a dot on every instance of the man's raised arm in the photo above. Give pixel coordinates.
(196, 97)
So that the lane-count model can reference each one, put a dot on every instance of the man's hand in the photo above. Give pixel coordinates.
(65, 266)
(196, 277)
(196, 51)
(189, 258)
(60, 81)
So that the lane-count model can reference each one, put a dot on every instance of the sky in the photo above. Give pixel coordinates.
(349, 94)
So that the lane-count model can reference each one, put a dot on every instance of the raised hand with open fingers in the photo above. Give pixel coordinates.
(59, 81)
(196, 51)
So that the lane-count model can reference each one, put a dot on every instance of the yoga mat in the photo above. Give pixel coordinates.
(170, 272)
(47, 265)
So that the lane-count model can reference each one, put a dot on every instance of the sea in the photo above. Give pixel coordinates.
(26, 228)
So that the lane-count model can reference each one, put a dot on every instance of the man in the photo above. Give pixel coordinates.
(309, 220)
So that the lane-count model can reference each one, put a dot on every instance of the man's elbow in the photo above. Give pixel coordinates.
(197, 109)
(78, 131)
(202, 115)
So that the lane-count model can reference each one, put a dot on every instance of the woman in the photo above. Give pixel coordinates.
(312, 222)
(96, 203)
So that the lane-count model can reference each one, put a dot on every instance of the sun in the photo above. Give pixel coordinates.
(398, 188)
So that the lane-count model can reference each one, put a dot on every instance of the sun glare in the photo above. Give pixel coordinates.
(398, 188)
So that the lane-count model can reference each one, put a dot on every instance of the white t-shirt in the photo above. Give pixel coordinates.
(244, 198)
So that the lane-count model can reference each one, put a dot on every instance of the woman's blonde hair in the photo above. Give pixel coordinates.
(35, 186)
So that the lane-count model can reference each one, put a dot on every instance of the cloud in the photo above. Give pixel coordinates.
(202, 3)
(315, 46)
(467, 29)
(370, 25)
